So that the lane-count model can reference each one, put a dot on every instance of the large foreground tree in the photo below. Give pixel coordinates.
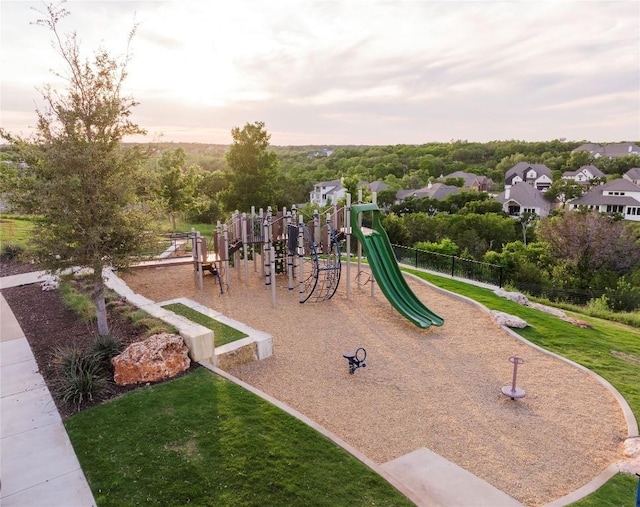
(81, 181)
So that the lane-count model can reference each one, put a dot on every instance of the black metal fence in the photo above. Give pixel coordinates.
(450, 264)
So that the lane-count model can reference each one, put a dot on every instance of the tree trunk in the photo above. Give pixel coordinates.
(101, 307)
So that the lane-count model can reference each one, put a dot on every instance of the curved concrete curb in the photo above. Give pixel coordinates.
(630, 419)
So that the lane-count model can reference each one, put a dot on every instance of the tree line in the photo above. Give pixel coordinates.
(94, 195)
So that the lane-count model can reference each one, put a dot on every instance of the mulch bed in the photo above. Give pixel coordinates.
(48, 324)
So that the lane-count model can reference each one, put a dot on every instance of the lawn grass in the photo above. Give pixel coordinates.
(618, 492)
(202, 440)
(222, 334)
(15, 230)
(610, 349)
(205, 230)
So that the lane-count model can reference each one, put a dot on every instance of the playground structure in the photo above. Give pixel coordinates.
(309, 254)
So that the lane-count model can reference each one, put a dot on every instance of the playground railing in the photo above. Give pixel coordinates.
(455, 266)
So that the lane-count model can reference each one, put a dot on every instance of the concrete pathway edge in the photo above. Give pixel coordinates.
(38, 461)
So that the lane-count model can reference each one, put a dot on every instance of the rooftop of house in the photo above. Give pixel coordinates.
(590, 168)
(597, 199)
(596, 196)
(610, 150)
(633, 173)
(522, 167)
(523, 194)
(619, 185)
(433, 191)
(327, 184)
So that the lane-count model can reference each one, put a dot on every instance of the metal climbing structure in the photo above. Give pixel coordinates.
(307, 253)
(321, 252)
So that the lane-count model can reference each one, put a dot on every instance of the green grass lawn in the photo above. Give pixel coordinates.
(610, 349)
(222, 334)
(202, 440)
(15, 230)
(205, 230)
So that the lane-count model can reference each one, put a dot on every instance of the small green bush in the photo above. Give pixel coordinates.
(158, 328)
(67, 358)
(11, 252)
(80, 376)
(624, 297)
(77, 301)
(104, 348)
(598, 305)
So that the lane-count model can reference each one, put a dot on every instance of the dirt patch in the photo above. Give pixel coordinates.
(439, 388)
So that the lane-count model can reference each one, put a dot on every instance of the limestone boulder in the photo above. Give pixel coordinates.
(159, 357)
(516, 297)
(578, 322)
(504, 319)
(50, 282)
(548, 309)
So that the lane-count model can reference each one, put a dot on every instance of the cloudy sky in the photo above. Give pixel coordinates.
(349, 71)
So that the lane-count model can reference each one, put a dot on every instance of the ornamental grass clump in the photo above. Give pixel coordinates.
(81, 377)
(11, 252)
(104, 348)
(78, 301)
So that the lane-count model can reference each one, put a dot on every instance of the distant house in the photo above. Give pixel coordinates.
(536, 175)
(327, 192)
(618, 196)
(609, 150)
(377, 186)
(432, 190)
(330, 192)
(584, 174)
(324, 152)
(633, 175)
(474, 181)
(521, 198)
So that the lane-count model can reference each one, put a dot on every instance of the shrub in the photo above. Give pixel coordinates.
(625, 297)
(598, 305)
(80, 378)
(104, 348)
(11, 252)
(77, 301)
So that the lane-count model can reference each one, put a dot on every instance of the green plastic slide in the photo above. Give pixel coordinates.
(386, 272)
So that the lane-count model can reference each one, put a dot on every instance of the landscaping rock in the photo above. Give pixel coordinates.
(159, 357)
(50, 282)
(504, 319)
(548, 309)
(516, 297)
(578, 322)
(631, 447)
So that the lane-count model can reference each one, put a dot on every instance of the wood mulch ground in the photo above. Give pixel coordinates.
(439, 388)
(48, 325)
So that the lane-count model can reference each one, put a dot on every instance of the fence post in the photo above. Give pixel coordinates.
(416, 257)
(453, 265)
(500, 277)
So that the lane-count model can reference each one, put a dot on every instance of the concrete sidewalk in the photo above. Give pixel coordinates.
(38, 465)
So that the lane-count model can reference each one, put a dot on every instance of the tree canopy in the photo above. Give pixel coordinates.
(252, 173)
(81, 179)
